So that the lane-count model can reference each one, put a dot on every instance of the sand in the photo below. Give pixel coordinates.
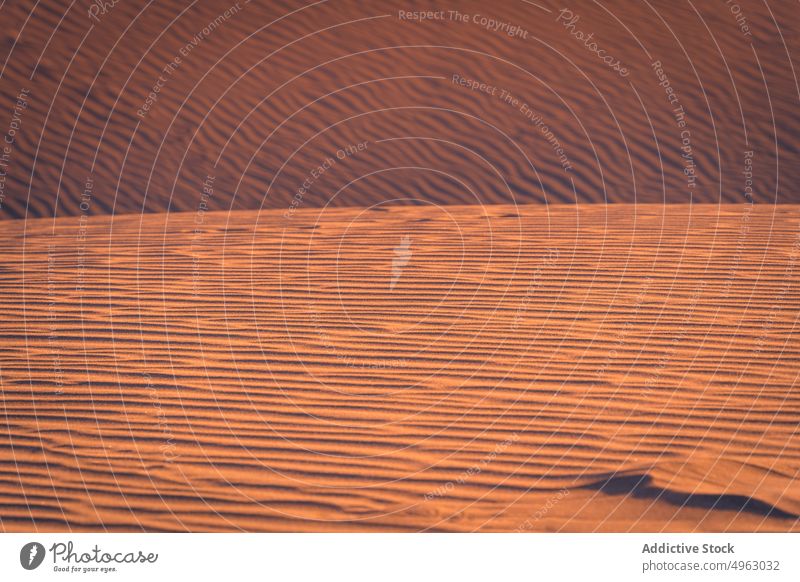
(459, 368)
(277, 88)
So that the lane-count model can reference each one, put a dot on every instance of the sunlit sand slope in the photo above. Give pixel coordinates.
(461, 368)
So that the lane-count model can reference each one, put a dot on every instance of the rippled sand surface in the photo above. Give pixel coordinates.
(501, 103)
(562, 368)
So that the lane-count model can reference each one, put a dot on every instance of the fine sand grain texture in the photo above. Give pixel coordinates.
(496, 102)
(449, 368)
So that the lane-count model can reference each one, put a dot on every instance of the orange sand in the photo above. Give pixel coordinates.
(568, 368)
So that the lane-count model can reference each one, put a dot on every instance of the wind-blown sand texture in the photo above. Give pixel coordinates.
(275, 88)
(562, 368)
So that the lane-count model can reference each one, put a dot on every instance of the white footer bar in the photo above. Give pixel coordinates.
(400, 557)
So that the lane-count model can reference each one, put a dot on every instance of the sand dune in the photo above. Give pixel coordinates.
(263, 97)
(455, 368)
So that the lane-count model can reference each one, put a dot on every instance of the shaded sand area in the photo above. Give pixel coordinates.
(145, 100)
(459, 368)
